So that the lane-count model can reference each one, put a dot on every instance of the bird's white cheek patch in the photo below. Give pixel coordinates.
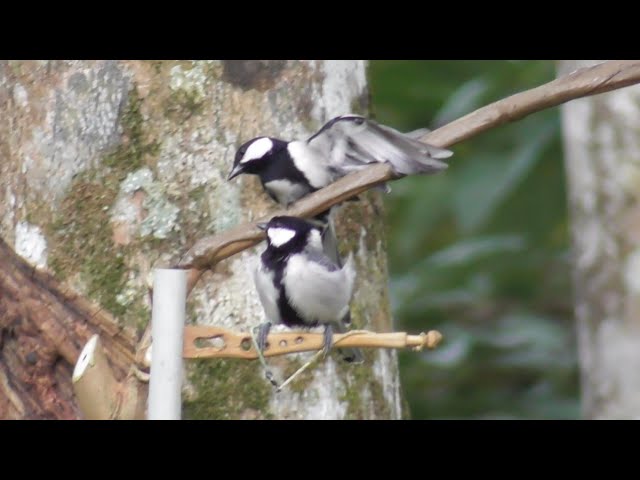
(257, 150)
(280, 236)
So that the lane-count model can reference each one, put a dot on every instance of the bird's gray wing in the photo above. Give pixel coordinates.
(318, 289)
(325, 224)
(268, 293)
(323, 260)
(352, 142)
(352, 355)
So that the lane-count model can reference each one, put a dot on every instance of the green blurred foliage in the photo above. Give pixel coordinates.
(480, 251)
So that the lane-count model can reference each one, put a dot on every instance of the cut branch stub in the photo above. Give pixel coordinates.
(94, 383)
(99, 395)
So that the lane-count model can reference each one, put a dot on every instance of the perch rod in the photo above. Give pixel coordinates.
(225, 343)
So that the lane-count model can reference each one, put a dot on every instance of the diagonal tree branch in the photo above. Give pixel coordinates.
(594, 80)
(584, 82)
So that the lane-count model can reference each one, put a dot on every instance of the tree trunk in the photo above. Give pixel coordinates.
(602, 145)
(109, 169)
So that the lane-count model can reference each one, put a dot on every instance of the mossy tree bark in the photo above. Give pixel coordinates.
(108, 169)
(602, 152)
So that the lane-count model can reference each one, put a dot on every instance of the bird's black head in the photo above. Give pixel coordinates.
(291, 234)
(253, 156)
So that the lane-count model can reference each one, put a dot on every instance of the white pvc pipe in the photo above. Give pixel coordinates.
(167, 328)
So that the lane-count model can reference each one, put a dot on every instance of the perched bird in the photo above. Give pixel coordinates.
(299, 286)
(291, 170)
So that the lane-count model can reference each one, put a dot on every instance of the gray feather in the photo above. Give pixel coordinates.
(417, 134)
(326, 224)
(332, 287)
(323, 260)
(330, 241)
(352, 142)
(268, 293)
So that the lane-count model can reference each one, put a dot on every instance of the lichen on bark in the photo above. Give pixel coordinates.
(81, 239)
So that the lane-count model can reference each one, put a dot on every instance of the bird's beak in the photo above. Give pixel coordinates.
(237, 170)
(262, 225)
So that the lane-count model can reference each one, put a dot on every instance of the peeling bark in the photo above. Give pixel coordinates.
(602, 144)
(109, 169)
(43, 328)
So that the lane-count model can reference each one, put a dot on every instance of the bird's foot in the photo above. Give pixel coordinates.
(328, 340)
(263, 334)
(260, 343)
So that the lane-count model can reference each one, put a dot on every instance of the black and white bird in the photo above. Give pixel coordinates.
(291, 170)
(299, 286)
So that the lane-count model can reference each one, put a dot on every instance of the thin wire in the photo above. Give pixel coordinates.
(314, 358)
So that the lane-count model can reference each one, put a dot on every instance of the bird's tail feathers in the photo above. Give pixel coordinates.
(329, 239)
(417, 157)
(431, 161)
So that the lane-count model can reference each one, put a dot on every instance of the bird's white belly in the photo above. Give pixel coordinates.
(315, 293)
(285, 191)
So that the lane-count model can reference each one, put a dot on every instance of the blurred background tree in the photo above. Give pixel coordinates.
(481, 251)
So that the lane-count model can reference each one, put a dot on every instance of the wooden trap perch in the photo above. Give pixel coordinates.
(217, 342)
(228, 344)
